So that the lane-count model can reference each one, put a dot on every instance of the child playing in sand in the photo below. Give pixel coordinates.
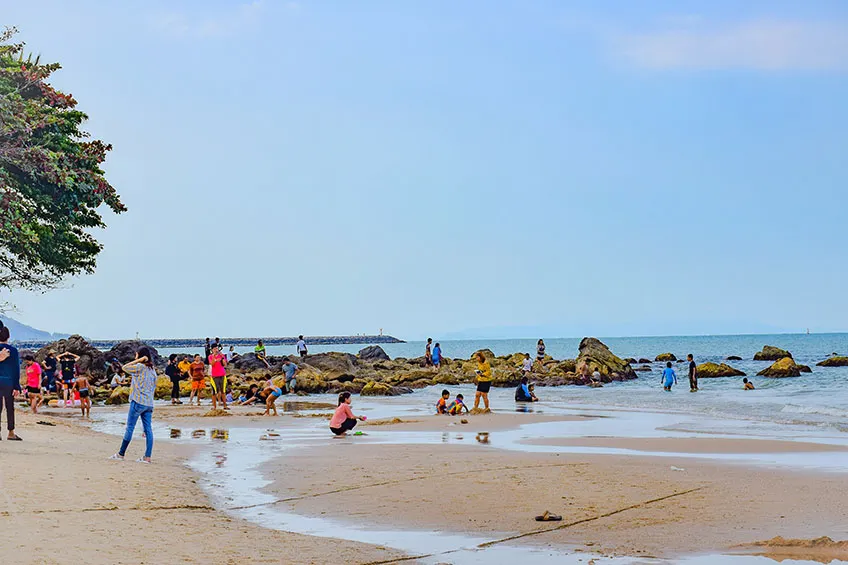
(747, 385)
(457, 405)
(343, 420)
(272, 393)
(669, 377)
(33, 374)
(442, 404)
(82, 386)
(198, 379)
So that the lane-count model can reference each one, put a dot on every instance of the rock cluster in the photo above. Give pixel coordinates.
(781, 368)
(663, 357)
(835, 361)
(770, 353)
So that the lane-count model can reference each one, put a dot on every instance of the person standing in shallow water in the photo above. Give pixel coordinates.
(301, 347)
(693, 374)
(484, 381)
(141, 402)
(10, 381)
(669, 377)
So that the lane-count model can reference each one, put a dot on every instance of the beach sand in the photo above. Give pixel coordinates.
(64, 502)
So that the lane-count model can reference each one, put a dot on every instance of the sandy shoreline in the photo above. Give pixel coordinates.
(611, 504)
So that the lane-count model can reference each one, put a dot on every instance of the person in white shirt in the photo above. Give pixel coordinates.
(116, 381)
(527, 365)
(231, 354)
(301, 347)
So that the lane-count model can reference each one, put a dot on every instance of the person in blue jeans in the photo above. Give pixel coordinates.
(669, 377)
(143, 386)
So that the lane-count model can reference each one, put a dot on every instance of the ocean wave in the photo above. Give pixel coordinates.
(814, 410)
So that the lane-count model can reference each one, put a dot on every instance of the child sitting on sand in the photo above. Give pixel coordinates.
(747, 385)
(532, 388)
(457, 405)
(343, 420)
(442, 403)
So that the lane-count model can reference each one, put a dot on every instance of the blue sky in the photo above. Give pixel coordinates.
(635, 168)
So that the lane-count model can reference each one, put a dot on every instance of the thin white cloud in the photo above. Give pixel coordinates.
(768, 45)
(222, 24)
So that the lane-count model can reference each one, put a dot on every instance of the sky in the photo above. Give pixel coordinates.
(476, 168)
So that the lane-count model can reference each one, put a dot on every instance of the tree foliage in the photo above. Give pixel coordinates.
(51, 181)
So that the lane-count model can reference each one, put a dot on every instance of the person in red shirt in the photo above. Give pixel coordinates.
(218, 363)
(33, 374)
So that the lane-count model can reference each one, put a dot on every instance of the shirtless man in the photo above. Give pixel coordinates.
(81, 384)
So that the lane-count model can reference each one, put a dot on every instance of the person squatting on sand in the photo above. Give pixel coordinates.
(10, 380)
(484, 381)
(442, 403)
(457, 405)
(33, 374)
(669, 377)
(143, 386)
(344, 419)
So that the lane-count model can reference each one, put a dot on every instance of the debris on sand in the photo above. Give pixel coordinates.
(216, 413)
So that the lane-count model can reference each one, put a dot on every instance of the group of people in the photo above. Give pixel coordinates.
(433, 354)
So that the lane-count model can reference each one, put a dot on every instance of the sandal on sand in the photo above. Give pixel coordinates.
(16, 438)
(116, 457)
(548, 517)
(142, 460)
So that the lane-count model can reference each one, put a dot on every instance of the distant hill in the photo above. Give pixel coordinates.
(23, 332)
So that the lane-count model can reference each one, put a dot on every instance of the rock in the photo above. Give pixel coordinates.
(120, 395)
(249, 362)
(91, 361)
(125, 352)
(785, 367)
(836, 361)
(643, 368)
(733, 358)
(804, 369)
(163, 387)
(631, 360)
(642, 361)
(770, 353)
(443, 378)
(598, 356)
(373, 388)
(664, 357)
(487, 353)
(333, 361)
(564, 367)
(714, 370)
(373, 353)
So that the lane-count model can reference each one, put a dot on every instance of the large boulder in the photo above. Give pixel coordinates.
(715, 370)
(785, 367)
(125, 352)
(770, 353)
(373, 388)
(333, 361)
(733, 358)
(120, 395)
(836, 361)
(92, 360)
(249, 363)
(663, 357)
(373, 353)
(598, 356)
(487, 353)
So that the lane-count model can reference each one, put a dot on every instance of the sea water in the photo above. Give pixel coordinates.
(816, 399)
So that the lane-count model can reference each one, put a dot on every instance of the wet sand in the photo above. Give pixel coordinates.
(691, 445)
(64, 502)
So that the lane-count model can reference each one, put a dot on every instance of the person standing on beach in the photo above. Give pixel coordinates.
(669, 377)
(82, 386)
(301, 347)
(172, 371)
(484, 381)
(207, 350)
(141, 402)
(198, 379)
(218, 363)
(10, 380)
(68, 364)
(50, 365)
(693, 373)
(437, 357)
(290, 370)
(428, 356)
(33, 375)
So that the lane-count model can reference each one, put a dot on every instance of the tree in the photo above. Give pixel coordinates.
(51, 183)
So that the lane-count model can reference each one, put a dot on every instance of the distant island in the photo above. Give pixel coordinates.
(23, 332)
(237, 341)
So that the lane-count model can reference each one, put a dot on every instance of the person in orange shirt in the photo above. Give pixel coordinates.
(198, 378)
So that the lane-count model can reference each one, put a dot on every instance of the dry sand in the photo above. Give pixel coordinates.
(64, 502)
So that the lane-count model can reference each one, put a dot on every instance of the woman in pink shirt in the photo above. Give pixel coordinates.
(343, 420)
(33, 373)
(218, 363)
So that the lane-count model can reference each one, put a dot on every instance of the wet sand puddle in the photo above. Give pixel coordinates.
(230, 459)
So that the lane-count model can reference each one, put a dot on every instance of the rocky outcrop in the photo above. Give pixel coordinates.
(373, 388)
(836, 361)
(92, 360)
(333, 361)
(770, 353)
(785, 367)
(643, 368)
(598, 356)
(715, 370)
(249, 362)
(733, 358)
(125, 352)
(487, 353)
(373, 353)
(120, 395)
(643, 361)
(664, 357)
(804, 369)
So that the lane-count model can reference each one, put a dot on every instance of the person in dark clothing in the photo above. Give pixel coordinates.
(173, 372)
(522, 392)
(693, 373)
(10, 380)
(50, 366)
(207, 351)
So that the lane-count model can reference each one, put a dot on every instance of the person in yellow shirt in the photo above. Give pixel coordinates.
(484, 381)
(184, 367)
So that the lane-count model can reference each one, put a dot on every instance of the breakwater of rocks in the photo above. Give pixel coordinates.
(197, 342)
